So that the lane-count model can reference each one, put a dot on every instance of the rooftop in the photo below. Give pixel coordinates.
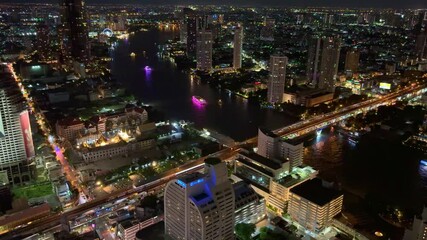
(191, 177)
(314, 191)
(257, 167)
(69, 121)
(268, 132)
(273, 164)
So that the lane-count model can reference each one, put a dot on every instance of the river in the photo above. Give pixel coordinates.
(170, 91)
(384, 170)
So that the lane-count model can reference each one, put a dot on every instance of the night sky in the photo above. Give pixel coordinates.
(287, 3)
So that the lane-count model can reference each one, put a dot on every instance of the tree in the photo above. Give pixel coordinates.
(244, 231)
(267, 234)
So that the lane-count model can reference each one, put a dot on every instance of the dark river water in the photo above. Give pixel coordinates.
(170, 91)
(377, 167)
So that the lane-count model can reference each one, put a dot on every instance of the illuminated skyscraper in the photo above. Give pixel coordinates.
(204, 50)
(277, 78)
(74, 31)
(322, 64)
(16, 142)
(201, 206)
(237, 50)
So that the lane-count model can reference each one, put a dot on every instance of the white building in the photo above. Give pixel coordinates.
(270, 178)
(204, 50)
(271, 146)
(237, 49)
(201, 206)
(313, 206)
(16, 143)
(292, 151)
(267, 143)
(250, 207)
(277, 78)
(419, 228)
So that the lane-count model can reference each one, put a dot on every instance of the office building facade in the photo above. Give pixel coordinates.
(16, 143)
(75, 39)
(277, 79)
(201, 206)
(313, 205)
(271, 146)
(237, 49)
(322, 64)
(421, 45)
(204, 50)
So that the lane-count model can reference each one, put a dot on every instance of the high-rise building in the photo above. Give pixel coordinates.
(267, 143)
(271, 146)
(183, 25)
(293, 151)
(237, 49)
(352, 61)
(43, 47)
(270, 178)
(313, 205)
(277, 79)
(204, 50)
(183, 31)
(191, 36)
(419, 228)
(201, 206)
(421, 44)
(322, 65)
(16, 142)
(75, 38)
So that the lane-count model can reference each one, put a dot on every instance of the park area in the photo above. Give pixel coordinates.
(33, 191)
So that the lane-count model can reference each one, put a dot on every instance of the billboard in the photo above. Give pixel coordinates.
(385, 86)
(26, 131)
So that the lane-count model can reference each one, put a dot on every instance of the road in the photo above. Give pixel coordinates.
(310, 125)
(66, 216)
(289, 131)
(69, 170)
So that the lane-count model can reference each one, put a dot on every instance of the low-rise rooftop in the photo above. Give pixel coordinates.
(314, 191)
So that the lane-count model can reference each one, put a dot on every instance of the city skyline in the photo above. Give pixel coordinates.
(208, 122)
(274, 3)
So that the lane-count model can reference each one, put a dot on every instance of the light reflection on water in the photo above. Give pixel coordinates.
(325, 150)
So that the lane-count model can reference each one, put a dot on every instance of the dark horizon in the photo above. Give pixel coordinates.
(397, 4)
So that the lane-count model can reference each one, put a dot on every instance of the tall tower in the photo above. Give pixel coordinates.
(191, 36)
(16, 142)
(204, 50)
(237, 50)
(421, 44)
(352, 60)
(75, 38)
(322, 64)
(43, 42)
(277, 78)
(201, 206)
